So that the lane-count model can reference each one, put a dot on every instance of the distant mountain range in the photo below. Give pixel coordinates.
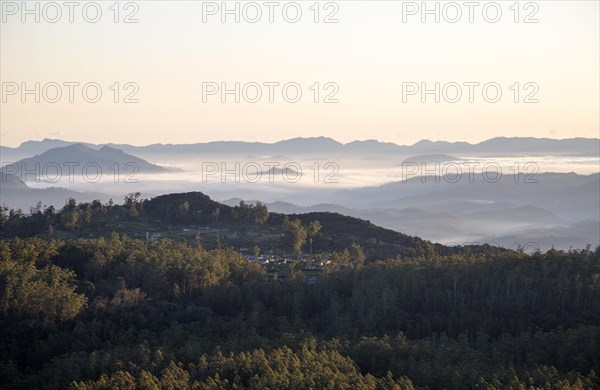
(105, 160)
(504, 146)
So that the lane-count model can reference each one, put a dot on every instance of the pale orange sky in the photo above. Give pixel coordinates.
(369, 54)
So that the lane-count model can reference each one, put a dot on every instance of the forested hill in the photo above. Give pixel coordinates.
(190, 215)
(340, 231)
(156, 307)
(337, 233)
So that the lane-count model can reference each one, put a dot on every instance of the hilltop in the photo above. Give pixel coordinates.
(195, 216)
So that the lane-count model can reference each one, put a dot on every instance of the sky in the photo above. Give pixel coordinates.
(360, 76)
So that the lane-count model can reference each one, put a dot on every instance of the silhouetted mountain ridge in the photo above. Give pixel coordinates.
(319, 145)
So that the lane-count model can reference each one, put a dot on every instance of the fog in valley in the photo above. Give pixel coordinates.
(529, 193)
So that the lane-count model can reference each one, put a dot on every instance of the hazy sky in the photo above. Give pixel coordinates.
(370, 54)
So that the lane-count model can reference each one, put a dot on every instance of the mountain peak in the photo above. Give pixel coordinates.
(110, 149)
(320, 139)
(79, 146)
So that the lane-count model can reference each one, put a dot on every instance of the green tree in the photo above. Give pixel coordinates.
(295, 234)
(69, 219)
(133, 204)
(357, 255)
(313, 230)
(261, 213)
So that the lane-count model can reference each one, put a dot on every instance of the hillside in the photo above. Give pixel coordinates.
(184, 216)
(338, 231)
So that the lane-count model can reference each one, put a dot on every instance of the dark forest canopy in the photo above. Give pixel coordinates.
(123, 313)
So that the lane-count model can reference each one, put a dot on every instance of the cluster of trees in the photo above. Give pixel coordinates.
(311, 367)
(352, 257)
(45, 220)
(296, 234)
(258, 212)
(134, 205)
(122, 313)
(35, 292)
(192, 207)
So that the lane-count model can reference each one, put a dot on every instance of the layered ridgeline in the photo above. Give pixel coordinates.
(76, 160)
(44, 176)
(543, 210)
(194, 216)
(327, 146)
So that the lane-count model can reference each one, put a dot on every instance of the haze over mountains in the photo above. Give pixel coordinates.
(15, 194)
(51, 169)
(104, 157)
(559, 209)
(540, 206)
